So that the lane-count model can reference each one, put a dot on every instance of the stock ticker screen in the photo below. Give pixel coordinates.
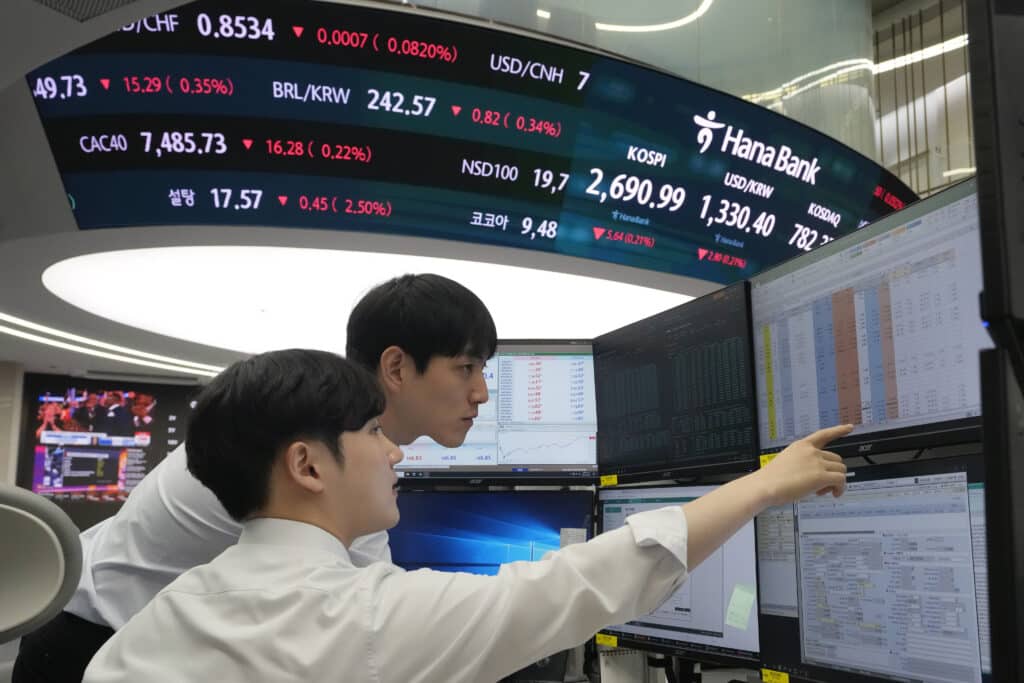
(539, 422)
(675, 391)
(318, 115)
(889, 582)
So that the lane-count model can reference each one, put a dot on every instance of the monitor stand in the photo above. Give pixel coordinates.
(682, 670)
(677, 669)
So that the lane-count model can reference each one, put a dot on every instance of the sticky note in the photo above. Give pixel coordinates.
(610, 480)
(742, 601)
(569, 536)
(605, 639)
(769, 676)
(767, 458)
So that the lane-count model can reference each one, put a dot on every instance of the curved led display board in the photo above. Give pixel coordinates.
(319, 115)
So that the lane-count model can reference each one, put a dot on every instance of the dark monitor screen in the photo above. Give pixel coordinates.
(713, 615)
(478, 531)
(539, 423)
(85, 443)
(996, 52)
(889, 582)
(407, 122)
(675, 390)
(880, 329)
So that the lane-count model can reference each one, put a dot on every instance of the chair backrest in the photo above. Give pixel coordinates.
(40, 561)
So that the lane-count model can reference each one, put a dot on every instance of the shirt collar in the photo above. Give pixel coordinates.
(286, 532)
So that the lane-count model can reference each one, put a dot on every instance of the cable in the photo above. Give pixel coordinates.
(663, 663)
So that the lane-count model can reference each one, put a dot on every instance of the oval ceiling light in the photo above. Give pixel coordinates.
(253, 299)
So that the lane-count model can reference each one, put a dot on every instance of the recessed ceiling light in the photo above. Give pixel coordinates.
(693, 16)
(253, 299)
(77, 348)
(88, 341)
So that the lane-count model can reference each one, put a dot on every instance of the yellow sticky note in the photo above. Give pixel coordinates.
(610, 480)
(605, 639)
(740, 605)
(769, 676)
(767, 458)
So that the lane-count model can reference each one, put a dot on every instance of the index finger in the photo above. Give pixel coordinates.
(823, 437)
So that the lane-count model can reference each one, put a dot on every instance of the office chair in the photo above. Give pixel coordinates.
(40, 561)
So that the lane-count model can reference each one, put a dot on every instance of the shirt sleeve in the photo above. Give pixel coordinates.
(481, 628)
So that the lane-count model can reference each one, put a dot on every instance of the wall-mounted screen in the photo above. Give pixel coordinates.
(675, 391)
(713, 615)
(888, 582)
(323, 115)
(539, 423)
(86, 443)
(478, 531)
(881, 329)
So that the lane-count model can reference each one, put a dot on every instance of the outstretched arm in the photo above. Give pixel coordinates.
(801, 469)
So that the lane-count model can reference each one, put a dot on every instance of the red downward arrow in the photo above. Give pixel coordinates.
(105, 82)
(456, 109)
(701, 253)
(247, 142)
(283, 198)
(598, 232)
(298, 30)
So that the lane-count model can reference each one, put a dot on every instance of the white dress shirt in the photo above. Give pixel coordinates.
(169, 524)
(286, 604)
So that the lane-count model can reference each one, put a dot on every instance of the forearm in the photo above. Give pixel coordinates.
(714, 517)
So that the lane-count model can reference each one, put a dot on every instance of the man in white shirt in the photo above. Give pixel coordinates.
(291, 444)
(426, 336)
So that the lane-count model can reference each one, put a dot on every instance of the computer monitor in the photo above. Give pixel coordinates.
(713, 615)
(85, 443)
(996, 30)
(1003, 443)
(478, 531)
(539, 424)
(675, 391)
(880, 329)
(888, 582)
(996, 53)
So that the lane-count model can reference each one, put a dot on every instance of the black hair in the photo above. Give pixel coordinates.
(258, 406)
(425, 315)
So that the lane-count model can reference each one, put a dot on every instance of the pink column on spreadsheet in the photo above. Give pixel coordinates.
(844, 335)
(892, 402)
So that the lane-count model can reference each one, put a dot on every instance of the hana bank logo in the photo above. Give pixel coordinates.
(705, 136)
(735, 142)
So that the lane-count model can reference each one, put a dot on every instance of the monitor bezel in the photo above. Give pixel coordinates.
(1003, 440)
(646, 473)
(428, 480)
(971, 463)
(944, 433)
(691, 652)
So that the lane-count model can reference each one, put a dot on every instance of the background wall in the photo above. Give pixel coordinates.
(924, 126)
(11, 375)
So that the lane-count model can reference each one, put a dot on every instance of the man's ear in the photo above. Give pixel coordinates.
(392, 369)
(301, 463)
